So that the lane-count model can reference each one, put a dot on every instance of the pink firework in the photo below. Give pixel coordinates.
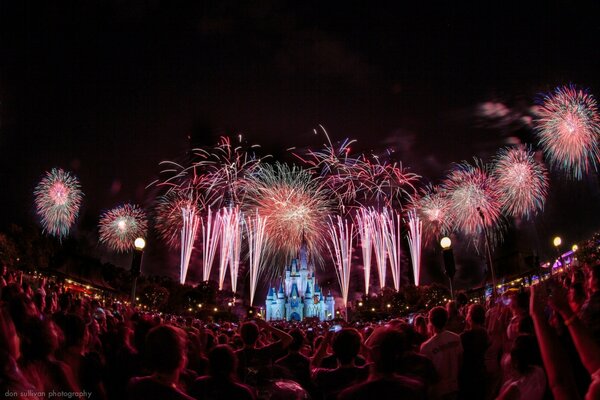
(169, 218)
(433, 209)
(58, 198)
(568, 129)
(522, 181)
(296, 207)
(474, 199)
(120, 227)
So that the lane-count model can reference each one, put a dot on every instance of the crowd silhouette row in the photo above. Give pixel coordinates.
(533, 343)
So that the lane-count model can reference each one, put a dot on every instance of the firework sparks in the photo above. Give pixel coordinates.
(58, 198)
(120, 227)
(474, 199)
(379, 246)
(191, 221)
(433, 207)
(256, 235)
(390, 225)
(296, 207)
(523, 182)
(211, 230)
(365, 229)
(568, 128)
(341, 233)
(235, 246)
(415, 226)
(225, 218)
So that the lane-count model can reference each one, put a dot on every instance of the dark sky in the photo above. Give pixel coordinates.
(110, 88)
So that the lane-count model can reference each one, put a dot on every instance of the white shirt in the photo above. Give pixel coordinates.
(445, 351)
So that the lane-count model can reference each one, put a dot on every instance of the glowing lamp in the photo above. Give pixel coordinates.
(445, 242)
(557, 241)
(139, 244)
(574, 248)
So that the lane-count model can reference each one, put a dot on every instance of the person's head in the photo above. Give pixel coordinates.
(9, 340)
(520, 302)
(525, 353)
(576, 295)
(73, 330)
(476, 315)
(386, 347)
(452, 309)
(438, 316)
(40, 339)
(165, 349)
(249, 332)
(297, 340)
(594, 278)
(223, 339)
(222, 361)
(420, 324)
(346, 345)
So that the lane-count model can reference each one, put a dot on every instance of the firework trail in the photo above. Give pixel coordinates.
(120, 226)
(433, 208)
(379, 245)
(568, 128)
(296, 207)
(211, 230)
(474, 200)
(341, 233)
(255, 227)
(224, 253)
(391, 223)
(387, 183)
(364, 222)
(415, 226)
(522, 181)
(235, 246)
(191, 221)
(57, 199)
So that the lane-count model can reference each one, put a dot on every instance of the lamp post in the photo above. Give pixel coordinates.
(449, 265)
(136, 265)
(557, 241)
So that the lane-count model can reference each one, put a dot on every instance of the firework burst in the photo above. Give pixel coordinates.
(522, 181)
(433, 208)
(168, 217)
(296, 206)
(568, 129)
(474, 200)
(120, 226)
(211, 230)
(58, 199)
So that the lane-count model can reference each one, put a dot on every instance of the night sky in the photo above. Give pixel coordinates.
(110, 88)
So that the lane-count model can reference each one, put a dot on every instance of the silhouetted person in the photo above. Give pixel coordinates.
(445, 350)
(475, 342)
(386, 349)
(165, 353)
(220, 382)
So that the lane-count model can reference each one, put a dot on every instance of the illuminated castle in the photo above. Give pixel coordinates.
(299, 295)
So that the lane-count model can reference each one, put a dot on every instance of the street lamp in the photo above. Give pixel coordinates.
(136, 265)
(575, 248)
(557, 241)
(449, 265)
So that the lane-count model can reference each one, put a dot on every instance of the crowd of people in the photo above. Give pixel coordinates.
(533, 343)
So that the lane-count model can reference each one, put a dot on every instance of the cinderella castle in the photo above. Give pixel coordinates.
(299, 295)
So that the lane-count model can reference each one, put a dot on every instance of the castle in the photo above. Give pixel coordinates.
(299, 295)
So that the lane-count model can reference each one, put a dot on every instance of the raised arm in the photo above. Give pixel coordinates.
(560, 375)
(285, 339)
(586, 346)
